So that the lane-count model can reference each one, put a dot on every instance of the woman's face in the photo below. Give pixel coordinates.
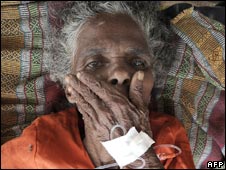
(112, 48)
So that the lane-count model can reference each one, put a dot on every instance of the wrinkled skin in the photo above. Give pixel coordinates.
(113, 83)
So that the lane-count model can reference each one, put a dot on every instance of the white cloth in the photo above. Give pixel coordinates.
(128, 148)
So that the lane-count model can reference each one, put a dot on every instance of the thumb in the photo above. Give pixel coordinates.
(136, 89)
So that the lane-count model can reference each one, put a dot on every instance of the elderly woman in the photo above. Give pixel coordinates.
(106, 55)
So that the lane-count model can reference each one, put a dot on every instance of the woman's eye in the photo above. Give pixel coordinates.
(139, 64)
(93, 65)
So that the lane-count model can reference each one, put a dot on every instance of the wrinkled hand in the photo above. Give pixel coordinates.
(102, 107)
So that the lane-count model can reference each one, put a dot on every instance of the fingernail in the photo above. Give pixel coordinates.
(78, 75)
(66, 80)
(140, 75)
(69, 89)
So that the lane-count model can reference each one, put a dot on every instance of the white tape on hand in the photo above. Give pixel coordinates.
(128, 148)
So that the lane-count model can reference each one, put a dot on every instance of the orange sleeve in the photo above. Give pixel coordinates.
(185, 159)
(20, 152)
(51, 141)
(168, 130)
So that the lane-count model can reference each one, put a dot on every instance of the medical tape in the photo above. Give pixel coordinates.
(128, 148)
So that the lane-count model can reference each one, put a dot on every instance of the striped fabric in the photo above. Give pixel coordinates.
(193, 89)
(26, 88)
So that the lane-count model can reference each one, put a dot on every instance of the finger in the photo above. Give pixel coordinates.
(102, 111)
(101, 89)
(136, 89)
(87, 111)
(84, 106)
(147, 86)
(88, 95)
(115, 101)
(86, 117)
(71, 96)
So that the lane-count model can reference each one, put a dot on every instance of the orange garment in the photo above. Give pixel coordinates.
(53, 141)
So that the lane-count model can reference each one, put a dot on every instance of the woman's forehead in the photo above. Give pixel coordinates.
(112, 24)
(108, 29)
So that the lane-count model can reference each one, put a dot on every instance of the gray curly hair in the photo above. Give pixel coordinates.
(68, 18)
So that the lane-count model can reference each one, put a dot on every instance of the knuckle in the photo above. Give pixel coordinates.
(86, 93)
(69, 89)
(71, 100)
(70, 76)
(86, 107)
(138, 88)
(66, 79)
(97, 85)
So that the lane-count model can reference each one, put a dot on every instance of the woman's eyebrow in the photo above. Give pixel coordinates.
(86, 54)
(93, 51)
(137, 51)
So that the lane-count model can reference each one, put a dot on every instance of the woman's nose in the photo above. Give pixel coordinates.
(119, 77)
